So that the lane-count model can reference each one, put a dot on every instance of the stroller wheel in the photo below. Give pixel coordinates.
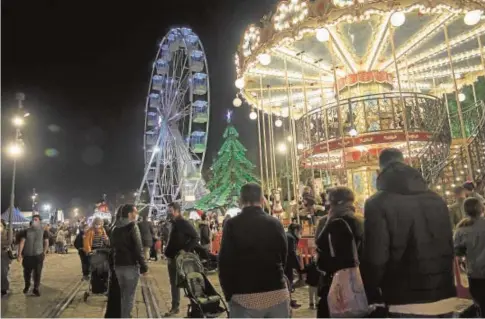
(86, 295)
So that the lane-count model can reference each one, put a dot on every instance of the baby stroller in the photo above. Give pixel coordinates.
(205, 301)
(99, 266)
(209, 260)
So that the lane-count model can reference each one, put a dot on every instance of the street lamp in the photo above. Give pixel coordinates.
(15, 150)
(18, 121)
(47, 207)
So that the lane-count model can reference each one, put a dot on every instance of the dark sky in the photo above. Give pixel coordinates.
(84, 67)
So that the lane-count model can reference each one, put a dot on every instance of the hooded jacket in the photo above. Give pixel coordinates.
(470, 242)
(408, 241)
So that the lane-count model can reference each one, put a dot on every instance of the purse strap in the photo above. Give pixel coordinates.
(354, 245)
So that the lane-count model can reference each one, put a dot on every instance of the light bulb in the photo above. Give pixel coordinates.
(282, 148)
(253, 115)
(278, 123)
(398, 18)
(323, 35)
(156, 149)
(300, 146)
(461, 97)
(15, 149)
(285, 112)
(18, 121)
(472, 17)
(239, 83)
(237, 102)
(264, 59)
(353, 132)
(289, 138)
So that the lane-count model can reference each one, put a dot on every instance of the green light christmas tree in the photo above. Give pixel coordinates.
(230, 172)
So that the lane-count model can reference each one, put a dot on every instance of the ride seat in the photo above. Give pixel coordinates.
(196, 283)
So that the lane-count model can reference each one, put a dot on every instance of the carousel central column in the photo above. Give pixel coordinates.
(260, 149)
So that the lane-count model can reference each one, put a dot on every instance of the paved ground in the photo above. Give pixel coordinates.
(158, 271)
(62, 272)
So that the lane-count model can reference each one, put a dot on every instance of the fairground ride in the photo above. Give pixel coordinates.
(349, 78)
(176, 122)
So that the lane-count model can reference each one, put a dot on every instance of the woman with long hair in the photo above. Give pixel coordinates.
(129, 262)
(335, 245)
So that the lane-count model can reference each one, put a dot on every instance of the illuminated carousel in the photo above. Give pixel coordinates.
(347, 79)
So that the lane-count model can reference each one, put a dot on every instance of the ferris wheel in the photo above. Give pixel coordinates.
(176, 122)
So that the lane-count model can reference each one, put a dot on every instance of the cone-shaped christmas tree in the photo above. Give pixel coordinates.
(230, 171)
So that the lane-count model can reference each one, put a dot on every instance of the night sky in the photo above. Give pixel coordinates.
(84, 67)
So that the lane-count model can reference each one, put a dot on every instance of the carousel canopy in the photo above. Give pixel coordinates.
(305, 52)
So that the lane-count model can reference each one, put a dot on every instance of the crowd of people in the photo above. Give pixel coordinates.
(396, 261)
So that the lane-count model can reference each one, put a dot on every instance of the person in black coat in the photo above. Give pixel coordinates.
(293, 262)
(408, 251)
(183, 236)
(252, 260)
(78, 244)
(146, 231)
(312, 280)
(335, 242)
(113, 307)
(205, 232)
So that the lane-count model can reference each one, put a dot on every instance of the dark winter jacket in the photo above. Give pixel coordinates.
(78, 242)
(146, 232)
(292, 261)
(183, 236)
(127, 246)
(336, 233)
(408, 241)
(205, 233)
(253, 253)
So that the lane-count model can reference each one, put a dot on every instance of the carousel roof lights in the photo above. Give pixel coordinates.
(462, 38)
(290, 14)
(253, 115)
(461, 97)
(447, 72)
(281, 74)
(239, 83)
(305, 59)
(445, 61)
(473, 17)
(398, 18)
(322, 35)
(251, 40)
(264, 59)
(413, 43)
(237, 102)
(278, 122)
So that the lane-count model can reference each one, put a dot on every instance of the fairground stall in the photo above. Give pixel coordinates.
(345, 79)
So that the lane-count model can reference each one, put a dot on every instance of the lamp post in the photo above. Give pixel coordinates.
(15, 150)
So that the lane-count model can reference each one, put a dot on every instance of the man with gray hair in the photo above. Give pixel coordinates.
(407, 258)
(33, 247)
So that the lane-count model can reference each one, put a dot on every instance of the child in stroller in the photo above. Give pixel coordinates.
(99, 267)
(209, 260)
(205, 301)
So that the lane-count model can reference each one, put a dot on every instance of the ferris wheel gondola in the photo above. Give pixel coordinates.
(176, 122)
